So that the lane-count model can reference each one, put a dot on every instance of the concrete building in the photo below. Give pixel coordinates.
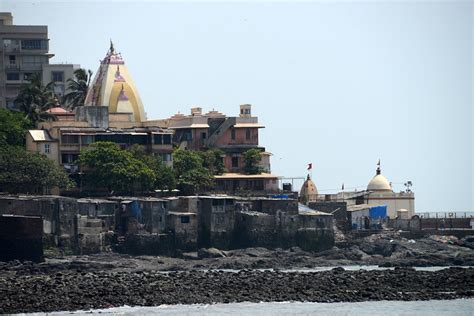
(62, 140)
(234, 135)
(379, 192)
(24, 52)
(114, 88)
(59, 74)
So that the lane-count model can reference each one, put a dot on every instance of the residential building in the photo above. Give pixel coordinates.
(59, 74)
(233, 135)
(62, 139)
(24, 52)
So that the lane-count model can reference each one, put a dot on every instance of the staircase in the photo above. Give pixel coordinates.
(212, 139)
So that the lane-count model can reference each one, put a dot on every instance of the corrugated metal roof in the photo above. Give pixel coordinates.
(40, 135)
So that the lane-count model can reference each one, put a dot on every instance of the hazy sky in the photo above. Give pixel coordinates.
(336, 84)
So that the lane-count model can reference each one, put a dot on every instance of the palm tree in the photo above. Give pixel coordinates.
(78, 87)
(35, 99)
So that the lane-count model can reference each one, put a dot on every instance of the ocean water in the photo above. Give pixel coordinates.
(449, 307)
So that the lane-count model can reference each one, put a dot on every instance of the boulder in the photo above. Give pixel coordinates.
(210, 253)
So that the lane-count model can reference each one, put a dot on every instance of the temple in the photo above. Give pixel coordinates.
(113, 87)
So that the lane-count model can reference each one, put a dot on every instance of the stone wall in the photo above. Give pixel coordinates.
(21, 237)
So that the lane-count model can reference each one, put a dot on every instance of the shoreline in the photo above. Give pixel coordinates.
(81, 290)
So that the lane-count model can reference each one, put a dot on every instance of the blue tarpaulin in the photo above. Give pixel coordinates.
(136, 211)
(280, 196)
(378, 211)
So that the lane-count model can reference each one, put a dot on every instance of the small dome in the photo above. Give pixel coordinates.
(309, 192)
(379, 182)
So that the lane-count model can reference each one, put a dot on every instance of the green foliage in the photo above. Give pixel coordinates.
(25, 172)
(13, 127)
(105, 165)
(164, 175)
(35, 99)
(252, 158)
(212, 160)
(78, 87)
(191, 175)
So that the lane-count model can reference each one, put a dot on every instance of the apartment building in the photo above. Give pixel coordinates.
(24, 52)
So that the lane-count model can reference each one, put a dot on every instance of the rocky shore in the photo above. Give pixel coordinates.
(110, 279)
(73, 290)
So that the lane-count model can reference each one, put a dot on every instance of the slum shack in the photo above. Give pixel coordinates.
(99, 209)
(183, 227)
(216, 219)
(21, 238)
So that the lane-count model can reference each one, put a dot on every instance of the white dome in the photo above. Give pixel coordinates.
(379, 183)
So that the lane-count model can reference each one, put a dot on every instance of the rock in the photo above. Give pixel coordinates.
(190, 256)
(295, 249)
(210, 253)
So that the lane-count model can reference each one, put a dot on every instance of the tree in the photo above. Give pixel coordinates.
(13, 128)
(34, 99)
(191, 175)
(105, 165)
(25, 172)
(79, 86)
(252, 158)
(212, 160)
(164, 175)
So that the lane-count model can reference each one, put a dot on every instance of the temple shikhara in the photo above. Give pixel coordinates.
(113, 87)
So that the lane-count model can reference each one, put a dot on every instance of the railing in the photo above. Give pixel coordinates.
(446, 214)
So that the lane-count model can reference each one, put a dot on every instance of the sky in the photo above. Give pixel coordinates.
(337, 84)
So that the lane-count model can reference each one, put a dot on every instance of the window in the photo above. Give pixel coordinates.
(232, 134)
(34, 61)
(138, 139)
(69, 158)
(165, 157)
(248, 133)
(70, 139)
(185, 219)
(13, 76)
(57, 76)
(87, 139)
(158, 139)
(12, 59)
(34, 44)
(203, 135)
(235, 162)
(28, 75)
(167, 139)
(47, 148)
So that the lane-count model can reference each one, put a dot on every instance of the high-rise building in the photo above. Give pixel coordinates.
(24, 52)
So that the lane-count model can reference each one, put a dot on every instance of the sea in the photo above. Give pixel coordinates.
(418, 308)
